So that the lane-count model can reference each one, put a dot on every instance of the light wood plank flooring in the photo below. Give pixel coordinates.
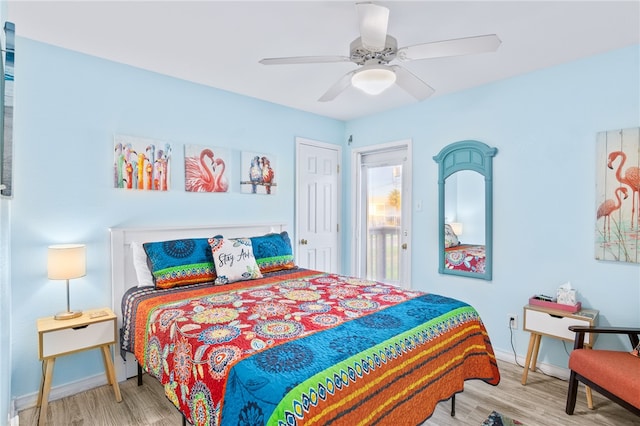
(540, 402)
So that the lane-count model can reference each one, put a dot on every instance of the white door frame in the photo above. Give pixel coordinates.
(407, 179)
(324, 145)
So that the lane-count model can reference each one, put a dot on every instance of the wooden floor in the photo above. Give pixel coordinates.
(540, 402)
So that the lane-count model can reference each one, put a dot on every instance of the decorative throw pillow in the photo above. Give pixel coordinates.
(140, 265)
(233, 260)
(273, 252)
(180, 262)
(450, 237)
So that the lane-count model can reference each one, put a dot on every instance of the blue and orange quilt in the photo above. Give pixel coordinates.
(302, 347)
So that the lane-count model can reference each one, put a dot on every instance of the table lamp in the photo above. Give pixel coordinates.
(66, 261)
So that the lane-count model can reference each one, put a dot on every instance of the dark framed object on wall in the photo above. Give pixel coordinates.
(6, 145)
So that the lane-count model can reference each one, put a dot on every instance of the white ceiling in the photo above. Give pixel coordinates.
(219, 44)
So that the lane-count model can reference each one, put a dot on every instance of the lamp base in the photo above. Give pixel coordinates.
(67, 315)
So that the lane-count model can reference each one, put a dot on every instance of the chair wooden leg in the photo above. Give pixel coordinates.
(453, 405)
(572, 393)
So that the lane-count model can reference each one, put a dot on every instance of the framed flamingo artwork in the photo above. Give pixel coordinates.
(206, 169)
(258, 173)
(617, 233)
(141, 164)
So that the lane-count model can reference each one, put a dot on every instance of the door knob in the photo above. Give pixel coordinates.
(404, 246)
(303, 241)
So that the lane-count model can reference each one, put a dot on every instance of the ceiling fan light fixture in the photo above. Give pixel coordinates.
(373, 80)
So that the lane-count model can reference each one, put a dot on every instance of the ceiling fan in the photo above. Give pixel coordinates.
(374, 50)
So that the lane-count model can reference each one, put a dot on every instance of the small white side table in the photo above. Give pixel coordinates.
(542, 321)
(96, 328)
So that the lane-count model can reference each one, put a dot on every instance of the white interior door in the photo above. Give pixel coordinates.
(317, 205)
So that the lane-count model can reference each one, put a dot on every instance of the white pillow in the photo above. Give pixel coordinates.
(234, 260)
(450, 237)
(140, 265)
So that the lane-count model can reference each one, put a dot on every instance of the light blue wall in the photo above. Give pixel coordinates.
(5, 311)
(544, 125)
(68, 107)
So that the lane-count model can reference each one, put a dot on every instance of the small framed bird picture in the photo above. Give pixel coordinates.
(258, 173)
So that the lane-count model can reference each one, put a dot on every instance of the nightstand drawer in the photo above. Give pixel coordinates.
(67, 340)
(555, 325)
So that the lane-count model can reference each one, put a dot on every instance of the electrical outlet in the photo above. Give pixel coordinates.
(513, 321)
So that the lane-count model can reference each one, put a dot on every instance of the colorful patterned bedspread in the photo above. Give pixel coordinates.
(465, 257)
(306, 348)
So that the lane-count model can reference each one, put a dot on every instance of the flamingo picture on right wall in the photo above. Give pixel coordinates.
(617, 232)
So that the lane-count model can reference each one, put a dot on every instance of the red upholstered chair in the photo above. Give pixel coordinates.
(614, 374)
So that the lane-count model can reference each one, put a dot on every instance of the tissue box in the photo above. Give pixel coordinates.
(566, 295)
(553, 305)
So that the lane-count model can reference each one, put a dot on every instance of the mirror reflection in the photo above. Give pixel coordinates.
(464, 206)
(465, 209)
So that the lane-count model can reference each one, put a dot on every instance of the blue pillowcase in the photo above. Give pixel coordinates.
(180, 262)
(273, 252)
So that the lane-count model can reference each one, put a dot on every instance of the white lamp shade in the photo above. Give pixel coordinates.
(66, 261)
(373, 80)
(457, 228)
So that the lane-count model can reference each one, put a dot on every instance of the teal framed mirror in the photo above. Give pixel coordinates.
(465, 209)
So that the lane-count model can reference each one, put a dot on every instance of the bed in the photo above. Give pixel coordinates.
(465, 257)
(294, 346)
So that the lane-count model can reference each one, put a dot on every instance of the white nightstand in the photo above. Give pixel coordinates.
(542, 321)
(96, 328)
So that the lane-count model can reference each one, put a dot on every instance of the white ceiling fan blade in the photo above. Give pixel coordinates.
(373, 25)
(453, 47)
(338, 87)
(304, 60)
(412, 84)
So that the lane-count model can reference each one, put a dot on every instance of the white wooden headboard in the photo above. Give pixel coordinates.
(123, 275)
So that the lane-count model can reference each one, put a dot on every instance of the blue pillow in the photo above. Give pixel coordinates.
(273, 252)
(180, 262)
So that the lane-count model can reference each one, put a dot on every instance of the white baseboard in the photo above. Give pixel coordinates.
(548, 369)
(57, 392)
(13, 419)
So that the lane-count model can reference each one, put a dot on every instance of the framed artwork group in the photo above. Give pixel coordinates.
(146, 164)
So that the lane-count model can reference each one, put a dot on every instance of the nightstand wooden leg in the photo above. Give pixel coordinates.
(536, 349)
(589, 397)
(525, 373)
(39, 401)
(43, 398)
(110, 371)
